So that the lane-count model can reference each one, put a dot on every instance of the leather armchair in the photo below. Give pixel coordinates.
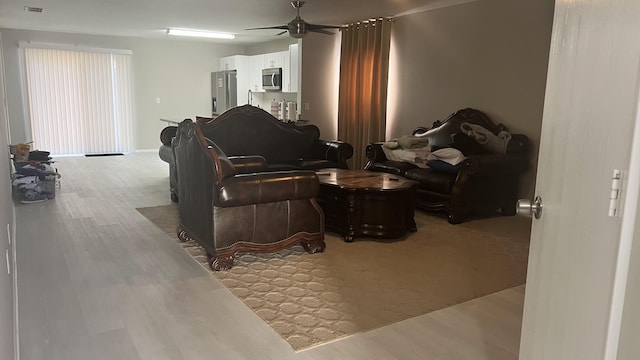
(485, 183)
(232, 204)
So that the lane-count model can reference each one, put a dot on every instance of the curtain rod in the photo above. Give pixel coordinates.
(371, 21)
(72, 47)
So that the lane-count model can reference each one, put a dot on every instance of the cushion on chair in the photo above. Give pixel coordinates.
(248, 164)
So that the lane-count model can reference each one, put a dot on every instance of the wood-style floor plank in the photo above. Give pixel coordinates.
(96, 280)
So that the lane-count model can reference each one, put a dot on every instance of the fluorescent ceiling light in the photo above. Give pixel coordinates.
(199, 33)
(33, 9)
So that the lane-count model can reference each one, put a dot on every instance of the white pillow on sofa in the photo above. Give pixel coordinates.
(448, 155)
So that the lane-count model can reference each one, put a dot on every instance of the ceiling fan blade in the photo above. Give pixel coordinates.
(315, 26)
(282, 32)
(281, 27)
(322, 31)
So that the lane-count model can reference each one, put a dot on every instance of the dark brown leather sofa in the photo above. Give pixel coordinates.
(248, 130)
(233, 204)
(484, 183)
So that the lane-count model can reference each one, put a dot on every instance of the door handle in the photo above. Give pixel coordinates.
(526, 208)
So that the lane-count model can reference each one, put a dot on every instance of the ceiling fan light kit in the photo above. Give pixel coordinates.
(200, 33)
(298, 28)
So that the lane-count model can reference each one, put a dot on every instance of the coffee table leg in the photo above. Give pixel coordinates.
(351, 214)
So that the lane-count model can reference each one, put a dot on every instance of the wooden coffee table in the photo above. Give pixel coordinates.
(361, 203)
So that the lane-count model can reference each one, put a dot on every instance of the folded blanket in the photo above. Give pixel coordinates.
(423, 156)
(448, 155)
(407, 142)
(416, 156)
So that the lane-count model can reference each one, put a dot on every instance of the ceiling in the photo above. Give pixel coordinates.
(151, 18)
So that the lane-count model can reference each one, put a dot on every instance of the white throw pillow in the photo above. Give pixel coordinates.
(448, 155)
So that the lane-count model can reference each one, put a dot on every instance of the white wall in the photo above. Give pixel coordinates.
(176, 71)
(320, 79)
(7, 320)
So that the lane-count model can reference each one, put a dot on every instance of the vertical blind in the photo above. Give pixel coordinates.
(80, 102)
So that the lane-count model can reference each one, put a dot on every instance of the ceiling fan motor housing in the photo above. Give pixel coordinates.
(297, 28)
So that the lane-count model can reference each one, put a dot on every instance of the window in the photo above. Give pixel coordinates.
(79, 101)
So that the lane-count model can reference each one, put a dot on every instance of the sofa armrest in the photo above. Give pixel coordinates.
(167, 134)
(166, 154)
(332, 150)
(257, 188)
(375, 153)
(249, 164)
(494, 164)
(378, 161)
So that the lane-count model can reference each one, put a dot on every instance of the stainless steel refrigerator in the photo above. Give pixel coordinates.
(224, 91)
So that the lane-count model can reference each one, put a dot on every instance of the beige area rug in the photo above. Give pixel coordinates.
(359, 286)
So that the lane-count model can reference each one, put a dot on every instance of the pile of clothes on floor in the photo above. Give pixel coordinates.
(34, 178)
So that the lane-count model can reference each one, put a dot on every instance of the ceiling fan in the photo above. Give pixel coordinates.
(299, 28)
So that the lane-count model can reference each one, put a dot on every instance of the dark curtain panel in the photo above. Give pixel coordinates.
(364, 69)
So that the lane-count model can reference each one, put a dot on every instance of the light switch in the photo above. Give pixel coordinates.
(157, 100)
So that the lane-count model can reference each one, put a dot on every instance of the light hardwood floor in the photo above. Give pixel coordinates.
(96, 280)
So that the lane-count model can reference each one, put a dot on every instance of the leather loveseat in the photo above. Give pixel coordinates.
(484, 183)
(233, 204)
(250, 131)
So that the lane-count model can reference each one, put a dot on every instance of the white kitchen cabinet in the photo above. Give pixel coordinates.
(275, 59)
(288, 60)
(256, 64)
(243, 73)
(234, 62)
(286, 77)
(227, 63)
(294, 67)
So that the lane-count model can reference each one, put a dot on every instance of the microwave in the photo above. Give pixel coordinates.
(272, 79)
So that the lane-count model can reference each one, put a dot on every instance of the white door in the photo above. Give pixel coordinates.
(578, 259)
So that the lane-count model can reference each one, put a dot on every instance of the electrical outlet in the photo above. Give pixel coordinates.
(157, 100)
(306, 106)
